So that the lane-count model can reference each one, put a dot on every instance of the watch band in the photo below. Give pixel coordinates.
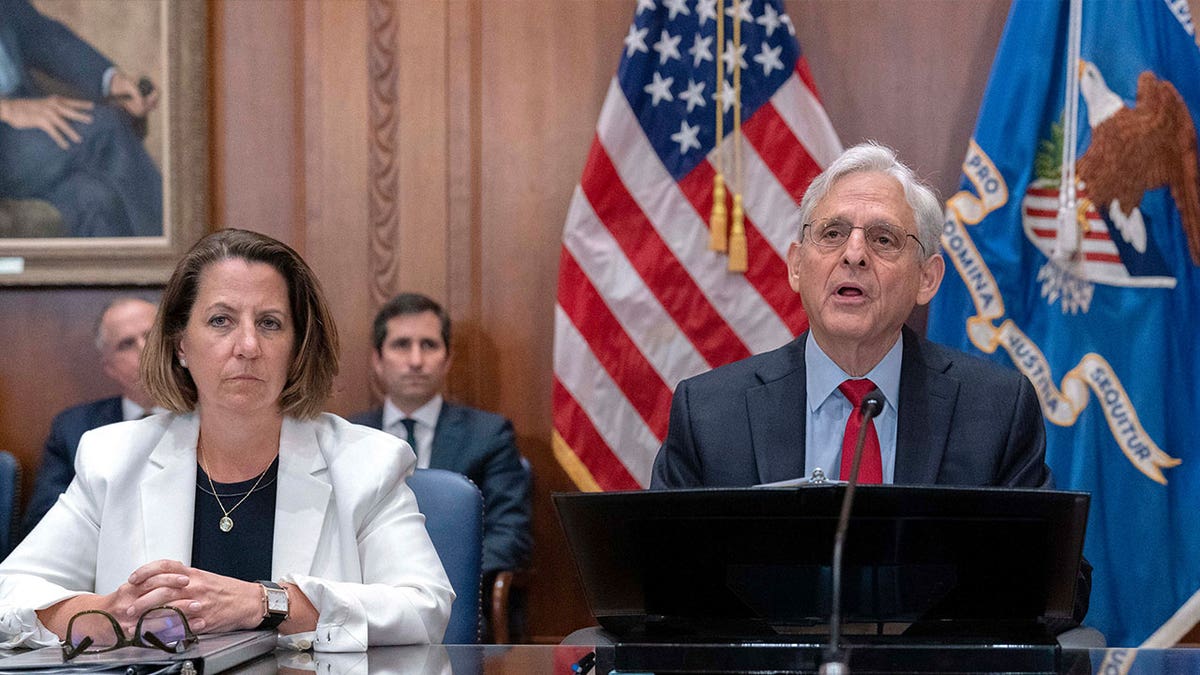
(272, 617)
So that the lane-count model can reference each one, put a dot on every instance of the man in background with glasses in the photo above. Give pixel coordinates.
(120, 336)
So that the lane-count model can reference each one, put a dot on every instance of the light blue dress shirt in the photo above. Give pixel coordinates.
(827, 409)
(10, 77)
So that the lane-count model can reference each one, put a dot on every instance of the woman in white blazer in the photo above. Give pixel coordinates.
(245, 507)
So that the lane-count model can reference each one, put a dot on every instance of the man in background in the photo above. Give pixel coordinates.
(120, 336)
(412, 359)
(79, 153)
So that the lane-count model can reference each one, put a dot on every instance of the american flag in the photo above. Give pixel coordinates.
(642, 301)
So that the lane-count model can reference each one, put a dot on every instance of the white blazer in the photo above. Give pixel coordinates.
(347, 530)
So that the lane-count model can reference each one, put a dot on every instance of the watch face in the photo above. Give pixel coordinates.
(277, 600)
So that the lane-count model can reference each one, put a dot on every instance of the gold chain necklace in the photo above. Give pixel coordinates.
(226, 523)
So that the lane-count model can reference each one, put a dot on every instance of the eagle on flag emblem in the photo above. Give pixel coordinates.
(1133, 150)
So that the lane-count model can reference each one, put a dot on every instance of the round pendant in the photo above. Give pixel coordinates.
(226, 524)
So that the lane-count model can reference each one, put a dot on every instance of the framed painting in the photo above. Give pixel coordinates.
(103, 139)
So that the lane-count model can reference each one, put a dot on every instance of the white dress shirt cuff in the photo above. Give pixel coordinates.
(106, 82)
(21, 628)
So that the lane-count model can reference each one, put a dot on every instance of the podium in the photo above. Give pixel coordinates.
(935, 578)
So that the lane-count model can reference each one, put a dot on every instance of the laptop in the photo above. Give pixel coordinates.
(973, 565)
(212, 653)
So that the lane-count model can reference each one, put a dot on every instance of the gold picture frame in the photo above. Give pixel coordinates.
(184, 163)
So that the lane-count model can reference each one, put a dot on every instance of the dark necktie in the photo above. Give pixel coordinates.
(870, 471)
(410, 429)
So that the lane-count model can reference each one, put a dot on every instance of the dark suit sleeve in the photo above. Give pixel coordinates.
(51, 47)
(1024, 461)
(370, 418)
(677, 464)
(1025, 466)
(54, 475)
(505, 484)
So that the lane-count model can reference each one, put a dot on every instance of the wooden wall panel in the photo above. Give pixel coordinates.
(464, 131)
(257, 117)
(335, 222)
(411, 131)
(908, 74)
(545, 69)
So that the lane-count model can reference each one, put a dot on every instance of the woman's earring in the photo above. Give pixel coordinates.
(183, 362)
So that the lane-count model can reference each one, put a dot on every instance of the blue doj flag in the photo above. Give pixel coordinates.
(1076, 238)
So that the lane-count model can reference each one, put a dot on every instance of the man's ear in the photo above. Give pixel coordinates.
(793, 266)
(932, 271)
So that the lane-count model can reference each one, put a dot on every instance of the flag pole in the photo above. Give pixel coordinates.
(719, 220)
(737, 230)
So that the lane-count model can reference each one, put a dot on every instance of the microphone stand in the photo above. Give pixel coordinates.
(835, 657)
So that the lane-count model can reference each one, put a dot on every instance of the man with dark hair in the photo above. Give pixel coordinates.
(412, 359)
(121, 334)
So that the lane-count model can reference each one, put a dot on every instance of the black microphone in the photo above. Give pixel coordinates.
(835, 662)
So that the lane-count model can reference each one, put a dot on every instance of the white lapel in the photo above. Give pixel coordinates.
(301, 498)
(168, 498)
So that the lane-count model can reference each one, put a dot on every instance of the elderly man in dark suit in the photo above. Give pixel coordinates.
(120, 336)
(412, 359)
(866, 256)
(80, 154)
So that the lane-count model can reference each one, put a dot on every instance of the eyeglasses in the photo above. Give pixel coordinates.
(94, 631)
(885, 239)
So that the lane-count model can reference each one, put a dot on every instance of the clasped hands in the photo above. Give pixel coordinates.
(211, 602)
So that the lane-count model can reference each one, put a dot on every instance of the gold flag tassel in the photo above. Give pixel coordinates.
(719, 220)
(737, 236)
(719, 223)
(737, 229)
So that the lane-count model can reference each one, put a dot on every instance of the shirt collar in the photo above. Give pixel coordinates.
(822, 375)
(426, 415)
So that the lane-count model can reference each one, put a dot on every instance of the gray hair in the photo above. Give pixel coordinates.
(98, 326)
(874, 157)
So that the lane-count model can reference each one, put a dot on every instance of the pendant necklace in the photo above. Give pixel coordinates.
(226, 523)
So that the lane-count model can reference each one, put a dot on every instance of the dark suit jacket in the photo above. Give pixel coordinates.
(36, 41)
(58, 455)
(962, 421)
(481, 446)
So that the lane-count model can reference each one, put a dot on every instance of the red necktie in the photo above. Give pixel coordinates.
(870, 470)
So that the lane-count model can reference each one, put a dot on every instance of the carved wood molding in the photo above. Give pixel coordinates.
(384, 174)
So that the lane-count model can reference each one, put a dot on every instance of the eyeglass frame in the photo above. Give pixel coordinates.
(69, 652)
(864, 228)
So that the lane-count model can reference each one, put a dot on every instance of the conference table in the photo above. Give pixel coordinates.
(671, 658)
(536, 659)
